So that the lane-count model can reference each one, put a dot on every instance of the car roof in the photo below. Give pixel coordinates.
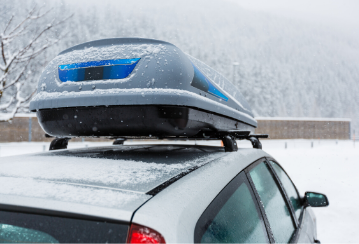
(112, 182)
(114, 177)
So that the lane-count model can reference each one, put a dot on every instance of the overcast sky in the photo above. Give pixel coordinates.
(338, 12)
(322, 11)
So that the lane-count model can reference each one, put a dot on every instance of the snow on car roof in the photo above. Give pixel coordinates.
(115, 177)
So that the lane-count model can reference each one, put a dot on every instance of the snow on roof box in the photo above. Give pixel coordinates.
(136, 87)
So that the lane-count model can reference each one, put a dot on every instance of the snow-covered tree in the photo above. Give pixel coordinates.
(22, 41)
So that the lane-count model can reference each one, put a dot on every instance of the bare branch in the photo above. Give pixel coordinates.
(30, 16)
(23, 51)
(26, 19)
(26, 48)
(64, 20)
(18, 59)
(41, 15)
(29, 97)
(40, 50)
(6, 105)
(16, 79)
(14, 111)
(12, 59)
(8, 23)
(3, 54)
(8, 38)
(18, 88)
(2, 79)
(9, 116)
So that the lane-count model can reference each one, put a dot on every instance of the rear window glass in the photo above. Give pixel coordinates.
(35, 228)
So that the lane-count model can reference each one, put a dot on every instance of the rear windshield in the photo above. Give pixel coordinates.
(31, 228)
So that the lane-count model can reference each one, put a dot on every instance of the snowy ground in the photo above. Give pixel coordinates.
(329, 167)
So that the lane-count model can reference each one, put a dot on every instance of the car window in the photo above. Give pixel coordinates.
(276, 209)
(289, 188)
(38, 228)
(11, 233)
(233, 217)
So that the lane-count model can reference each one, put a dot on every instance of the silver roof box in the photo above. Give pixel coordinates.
(136, 87)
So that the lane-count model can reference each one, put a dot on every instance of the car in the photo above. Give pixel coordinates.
(174, 173)
(176, 191)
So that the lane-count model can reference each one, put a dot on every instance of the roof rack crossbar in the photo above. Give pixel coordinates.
(227, 137)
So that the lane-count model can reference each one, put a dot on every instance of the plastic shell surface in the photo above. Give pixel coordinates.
(150, 73)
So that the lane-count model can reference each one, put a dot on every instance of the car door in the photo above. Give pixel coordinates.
(304, 216)
(234, 216)
(274, 205)
(281, 204)
(261, 204)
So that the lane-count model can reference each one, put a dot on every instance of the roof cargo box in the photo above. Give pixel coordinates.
(136, 87)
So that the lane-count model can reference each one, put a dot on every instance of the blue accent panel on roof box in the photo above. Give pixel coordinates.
(97, 70)
(201, 82)
(72, 75)
(99, 63)
(215, 92)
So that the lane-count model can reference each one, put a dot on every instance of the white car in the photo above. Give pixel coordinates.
(153, 194)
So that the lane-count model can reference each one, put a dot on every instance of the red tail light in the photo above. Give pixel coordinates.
(142, 234)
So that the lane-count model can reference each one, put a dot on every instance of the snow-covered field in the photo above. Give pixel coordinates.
(330, 167)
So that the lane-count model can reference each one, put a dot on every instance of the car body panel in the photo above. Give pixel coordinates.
(115, 177)
(307, 228)
(175, 211)
(117, 183)
(309, 224)
(42, 205)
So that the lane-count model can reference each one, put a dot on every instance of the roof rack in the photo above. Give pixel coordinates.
(226, 139)
(229, 138)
